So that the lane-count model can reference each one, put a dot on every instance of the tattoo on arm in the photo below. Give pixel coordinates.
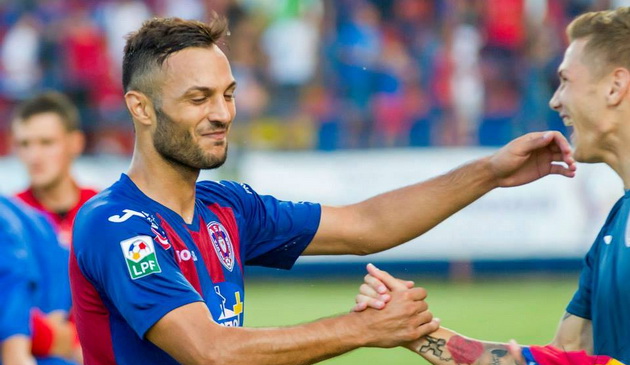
(464, 351)
(497, 354)
(436, 346)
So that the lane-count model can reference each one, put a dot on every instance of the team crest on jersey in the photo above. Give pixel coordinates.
(222, 244)
(139, 253)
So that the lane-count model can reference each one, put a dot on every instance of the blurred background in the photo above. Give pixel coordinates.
(342, 99)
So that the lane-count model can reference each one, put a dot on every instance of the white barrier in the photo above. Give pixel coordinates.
(552, 218)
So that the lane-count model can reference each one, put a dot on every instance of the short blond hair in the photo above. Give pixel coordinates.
(608, 38)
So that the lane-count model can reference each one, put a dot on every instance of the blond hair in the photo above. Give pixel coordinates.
(608, 38)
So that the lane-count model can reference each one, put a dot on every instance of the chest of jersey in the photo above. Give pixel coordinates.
(208, 254)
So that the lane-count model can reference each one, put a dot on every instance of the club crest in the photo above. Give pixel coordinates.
(222, 244)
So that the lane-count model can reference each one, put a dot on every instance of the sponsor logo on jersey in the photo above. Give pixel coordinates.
(608, 239)
(230, 305)
(160, 236)
(222, 244)
(139, 253)
(186, 255)
(128, 213)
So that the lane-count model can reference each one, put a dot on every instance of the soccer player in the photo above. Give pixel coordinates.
(157, 259)
(594, 98)
(47, 140)
(30, 319)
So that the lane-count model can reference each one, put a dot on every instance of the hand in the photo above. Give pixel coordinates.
(64, 340)
(373, 293)
(381, 281)
(531, 157)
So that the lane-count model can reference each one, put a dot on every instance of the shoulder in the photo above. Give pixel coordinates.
(110, 215)
(224, 191)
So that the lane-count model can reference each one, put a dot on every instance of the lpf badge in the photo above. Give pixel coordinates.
(222, 244)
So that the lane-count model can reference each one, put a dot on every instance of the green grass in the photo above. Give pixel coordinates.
(526, 309)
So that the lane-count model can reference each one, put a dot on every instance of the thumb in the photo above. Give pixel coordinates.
(390, 282)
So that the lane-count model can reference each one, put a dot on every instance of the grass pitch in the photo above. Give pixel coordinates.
(526, 309)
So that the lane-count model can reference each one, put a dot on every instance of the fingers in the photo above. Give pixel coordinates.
(561, 170)
(389, 281)
(430, 327)
(364, 302)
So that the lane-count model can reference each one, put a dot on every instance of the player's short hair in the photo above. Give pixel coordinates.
(49, 102)
(607, 33)
(148, 48)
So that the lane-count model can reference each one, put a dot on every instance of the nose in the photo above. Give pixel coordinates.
(554, 102)
(222, 110)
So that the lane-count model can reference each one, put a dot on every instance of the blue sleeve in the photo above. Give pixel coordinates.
(275, 232)
(17, 286)
(139, 277)
(580, 305)
(52, 260)
(16, 302)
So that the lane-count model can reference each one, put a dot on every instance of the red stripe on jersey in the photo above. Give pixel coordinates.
(188, 267)
(226, 217)
(202, 239)
(92, 319)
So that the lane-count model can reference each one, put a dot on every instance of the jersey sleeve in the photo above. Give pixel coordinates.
(117, 253)
(17, 288)
(580, 305)
(275, 232)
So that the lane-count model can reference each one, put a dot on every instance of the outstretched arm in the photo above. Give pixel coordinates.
(190, 336)
(393, 218)
(446, 347)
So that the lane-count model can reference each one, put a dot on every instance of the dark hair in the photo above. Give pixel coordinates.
(158, 38)
(49, 102)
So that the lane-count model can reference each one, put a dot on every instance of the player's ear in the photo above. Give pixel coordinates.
(140, 107)
(619, 86)
(77, 142)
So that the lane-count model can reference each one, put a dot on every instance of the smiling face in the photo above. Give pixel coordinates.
(196, 108)
(581, 101)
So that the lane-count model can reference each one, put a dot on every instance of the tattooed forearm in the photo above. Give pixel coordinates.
(464, 351)
(435, 346)
(497, 354)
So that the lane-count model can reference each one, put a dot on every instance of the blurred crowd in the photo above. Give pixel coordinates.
(313, 74)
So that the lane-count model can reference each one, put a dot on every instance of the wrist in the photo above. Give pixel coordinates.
(485, 171)
(352, 329)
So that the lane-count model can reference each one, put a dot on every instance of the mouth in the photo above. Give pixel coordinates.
(565, 120)
(217, 134)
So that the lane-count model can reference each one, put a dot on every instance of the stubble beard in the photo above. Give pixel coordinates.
(178, 147)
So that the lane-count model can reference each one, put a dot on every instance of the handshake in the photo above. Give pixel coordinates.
(396, 312)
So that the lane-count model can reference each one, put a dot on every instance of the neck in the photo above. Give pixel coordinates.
(60, 196)
(618, 156)
(166, 182)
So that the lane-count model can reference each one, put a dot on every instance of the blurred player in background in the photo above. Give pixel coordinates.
(32, 312)
(47, 140)
(158, 259)
(594, 98)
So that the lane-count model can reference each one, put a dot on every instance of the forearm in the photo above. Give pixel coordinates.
(305, 344)
(446, 347)
(424, 205)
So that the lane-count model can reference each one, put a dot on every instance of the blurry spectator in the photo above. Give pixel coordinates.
(19, 54)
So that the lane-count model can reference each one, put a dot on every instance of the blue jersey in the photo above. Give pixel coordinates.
(603, 295)
(18, 271)
(33, 270)
(134, 260)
